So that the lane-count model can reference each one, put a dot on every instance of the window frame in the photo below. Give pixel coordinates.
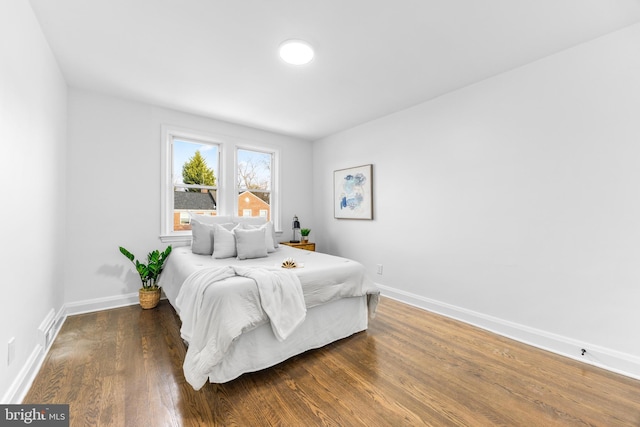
(273, 193)
(226, 180)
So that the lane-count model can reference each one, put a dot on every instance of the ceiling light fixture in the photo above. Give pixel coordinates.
(296, 52)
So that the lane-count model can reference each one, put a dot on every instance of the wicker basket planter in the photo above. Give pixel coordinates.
(149, 294)
(149, 298)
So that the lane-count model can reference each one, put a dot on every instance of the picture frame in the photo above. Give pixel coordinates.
(353, 192)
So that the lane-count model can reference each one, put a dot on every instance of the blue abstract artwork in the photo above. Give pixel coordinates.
(352, 188)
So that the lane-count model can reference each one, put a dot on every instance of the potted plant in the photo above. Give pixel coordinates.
(305, 234)
(149, 294)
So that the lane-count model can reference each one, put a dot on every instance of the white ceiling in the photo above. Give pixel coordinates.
(218, 58)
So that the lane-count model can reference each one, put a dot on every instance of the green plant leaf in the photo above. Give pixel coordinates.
(126, 253)
(149, 272)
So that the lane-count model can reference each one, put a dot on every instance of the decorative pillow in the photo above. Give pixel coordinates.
(211, 219)
(251, 220)
(224, 242)
(269, 234)
(201, 238)
(273, 235)
(256, 220)
(250, 243)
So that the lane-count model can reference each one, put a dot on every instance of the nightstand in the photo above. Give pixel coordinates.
(302, 245)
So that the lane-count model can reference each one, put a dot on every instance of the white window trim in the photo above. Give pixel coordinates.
(226, 175)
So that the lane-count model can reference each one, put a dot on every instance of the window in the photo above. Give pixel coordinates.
(197, 169)
(193, 177)
(190, 179)
(254, 182)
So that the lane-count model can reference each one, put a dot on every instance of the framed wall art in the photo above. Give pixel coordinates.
(353, 193)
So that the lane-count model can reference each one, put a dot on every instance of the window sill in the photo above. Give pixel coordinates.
(179, 238)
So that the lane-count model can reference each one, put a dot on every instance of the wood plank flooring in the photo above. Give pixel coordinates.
(123, 367)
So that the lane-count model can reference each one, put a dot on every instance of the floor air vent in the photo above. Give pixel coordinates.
(46, 330)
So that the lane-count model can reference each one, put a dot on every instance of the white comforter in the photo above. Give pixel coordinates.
(217, 302)
(279, 296)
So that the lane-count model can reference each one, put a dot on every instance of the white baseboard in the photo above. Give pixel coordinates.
(98, 304)
(611, 360)
(47, 332)
(23, 381)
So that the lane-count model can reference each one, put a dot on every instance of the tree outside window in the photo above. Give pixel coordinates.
(194, 181)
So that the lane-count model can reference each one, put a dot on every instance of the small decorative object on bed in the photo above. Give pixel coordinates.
(353, 193)
(149, 294)
(304, 232)
(289, 263)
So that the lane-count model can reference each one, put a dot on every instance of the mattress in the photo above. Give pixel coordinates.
(323, 277)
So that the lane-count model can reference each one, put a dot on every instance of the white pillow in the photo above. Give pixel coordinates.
(201, 237)
(269, 234)
(211, 219)
(224, 242)
(251, 220)
(256, 220)
(250, 243)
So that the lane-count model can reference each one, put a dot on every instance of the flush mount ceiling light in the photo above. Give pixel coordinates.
(296, 52)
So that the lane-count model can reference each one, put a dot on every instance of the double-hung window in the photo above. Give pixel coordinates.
(214, 175)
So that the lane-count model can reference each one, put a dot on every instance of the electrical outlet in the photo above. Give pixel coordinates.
(11, 350)
(379, 269)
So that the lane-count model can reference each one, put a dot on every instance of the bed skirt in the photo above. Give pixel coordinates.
(259, 349)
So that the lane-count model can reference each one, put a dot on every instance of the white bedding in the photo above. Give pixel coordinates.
(215, 312)
(279, 295)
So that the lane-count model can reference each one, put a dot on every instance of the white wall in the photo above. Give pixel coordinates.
(114, 187)
(32, 172)
(516, 199)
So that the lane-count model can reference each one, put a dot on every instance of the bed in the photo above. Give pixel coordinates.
(244, 312)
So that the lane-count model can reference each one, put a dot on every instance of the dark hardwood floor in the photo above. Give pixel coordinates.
(123, 367)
